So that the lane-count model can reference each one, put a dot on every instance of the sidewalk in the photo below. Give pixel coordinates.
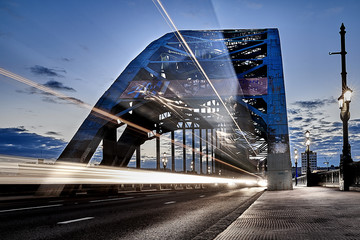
(302, 213)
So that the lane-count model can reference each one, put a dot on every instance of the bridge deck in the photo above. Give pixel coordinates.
(304, 213)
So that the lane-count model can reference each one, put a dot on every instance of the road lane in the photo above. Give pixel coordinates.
(138, 216)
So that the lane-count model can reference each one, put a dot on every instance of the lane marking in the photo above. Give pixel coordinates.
(29, 208)
(75, 220)
(110, 199)
(202, 196)
(171, 202)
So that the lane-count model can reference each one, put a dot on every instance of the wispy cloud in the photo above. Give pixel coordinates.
(65, 59)
(53, 133)
(44, 71)
(317, 103)
(56, 85)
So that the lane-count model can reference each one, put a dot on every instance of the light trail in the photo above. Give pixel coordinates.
(76, 173)
(192, 55)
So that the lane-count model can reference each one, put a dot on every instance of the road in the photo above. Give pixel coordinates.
(146, 215)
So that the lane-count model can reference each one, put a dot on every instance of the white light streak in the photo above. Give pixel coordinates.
(76, 173)
(193, 57)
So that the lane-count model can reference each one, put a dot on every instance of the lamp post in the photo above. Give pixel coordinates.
(296, 162)
(164, 161)
(308, 171)
(344, 105)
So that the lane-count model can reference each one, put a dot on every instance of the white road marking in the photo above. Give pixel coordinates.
(171, 202)
(202, 196)
(75, 220)
(29, 208)
(110, 199)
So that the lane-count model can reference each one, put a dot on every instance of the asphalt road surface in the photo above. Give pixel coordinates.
(150, 215)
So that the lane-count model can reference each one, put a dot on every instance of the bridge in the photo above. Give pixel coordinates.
(225, 86)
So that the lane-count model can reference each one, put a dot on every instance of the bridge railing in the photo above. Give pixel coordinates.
(328, 178)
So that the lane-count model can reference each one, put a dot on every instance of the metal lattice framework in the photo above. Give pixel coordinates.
(163, 90)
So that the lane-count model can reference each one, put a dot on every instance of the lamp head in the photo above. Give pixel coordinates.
(347, 95)
(307, 142)
(307, 134)
(341, 102)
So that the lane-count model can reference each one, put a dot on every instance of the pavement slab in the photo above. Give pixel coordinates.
(302, 213)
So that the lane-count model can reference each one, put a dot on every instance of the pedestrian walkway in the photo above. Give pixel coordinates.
(302, 213)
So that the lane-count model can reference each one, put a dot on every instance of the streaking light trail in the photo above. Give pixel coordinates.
(76, 173)
(202, 71)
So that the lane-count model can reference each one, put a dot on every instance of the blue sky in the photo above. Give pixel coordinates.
(80, 47)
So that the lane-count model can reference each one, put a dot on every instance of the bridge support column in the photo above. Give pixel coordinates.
(279, 166)
(109, 146)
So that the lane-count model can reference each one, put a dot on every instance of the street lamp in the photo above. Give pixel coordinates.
(164, 161)
(344, 105)
(308, 171)
(296, 162)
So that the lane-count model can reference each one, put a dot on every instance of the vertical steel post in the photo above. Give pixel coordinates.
(308, 171)
(207, 151)
(193, 146)
(172, 151)
(184, 147)
(296, 174)
(213, 149)
(157, 149)
(138, 157)
(201, 152)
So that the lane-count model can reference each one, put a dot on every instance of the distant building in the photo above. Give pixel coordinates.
(312, 159)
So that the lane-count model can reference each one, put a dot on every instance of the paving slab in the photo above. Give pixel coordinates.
(302, 213)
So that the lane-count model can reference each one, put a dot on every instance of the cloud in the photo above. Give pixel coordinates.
(44, 71)
(58, 86)
(53, 133)
(68, 100)
(313, 104)
(67, 59)
(47, 97)
(19, 141)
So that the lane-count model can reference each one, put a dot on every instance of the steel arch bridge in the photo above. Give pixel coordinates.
(234, 98)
